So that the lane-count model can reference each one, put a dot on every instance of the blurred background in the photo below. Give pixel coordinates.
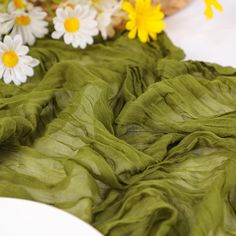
(206, 40)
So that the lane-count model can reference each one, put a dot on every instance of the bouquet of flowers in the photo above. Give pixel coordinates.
(77, 22)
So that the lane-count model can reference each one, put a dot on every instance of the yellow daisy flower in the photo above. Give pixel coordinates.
(209, 5)
(145, 20)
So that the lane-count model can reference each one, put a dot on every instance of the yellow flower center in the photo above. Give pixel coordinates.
(23, 20)
(19, 4)
(10, 59)
(72, 24)
(95, 1)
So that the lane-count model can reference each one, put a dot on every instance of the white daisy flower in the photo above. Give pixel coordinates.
(15, 65)
(107, 13)
(77, 26)
(108, 17)
(18, 5)
(105, 27)
(29, 24)
(21, 4)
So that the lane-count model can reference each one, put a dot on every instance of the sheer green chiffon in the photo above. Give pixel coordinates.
(125, 136)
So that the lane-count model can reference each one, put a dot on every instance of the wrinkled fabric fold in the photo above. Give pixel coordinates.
(126, 136)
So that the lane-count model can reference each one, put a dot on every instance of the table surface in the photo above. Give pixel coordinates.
(205, 40)
(27, 218)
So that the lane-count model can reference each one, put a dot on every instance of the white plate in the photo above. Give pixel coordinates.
(205, 40)
(27, 218)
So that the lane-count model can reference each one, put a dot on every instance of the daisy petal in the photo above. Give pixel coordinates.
(7, 77)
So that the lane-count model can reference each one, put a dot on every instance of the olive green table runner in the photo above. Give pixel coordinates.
(125, 136)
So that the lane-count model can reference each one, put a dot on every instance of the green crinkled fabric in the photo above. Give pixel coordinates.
(125, 136)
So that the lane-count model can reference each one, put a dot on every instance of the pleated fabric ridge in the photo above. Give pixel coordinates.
(126, 136)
